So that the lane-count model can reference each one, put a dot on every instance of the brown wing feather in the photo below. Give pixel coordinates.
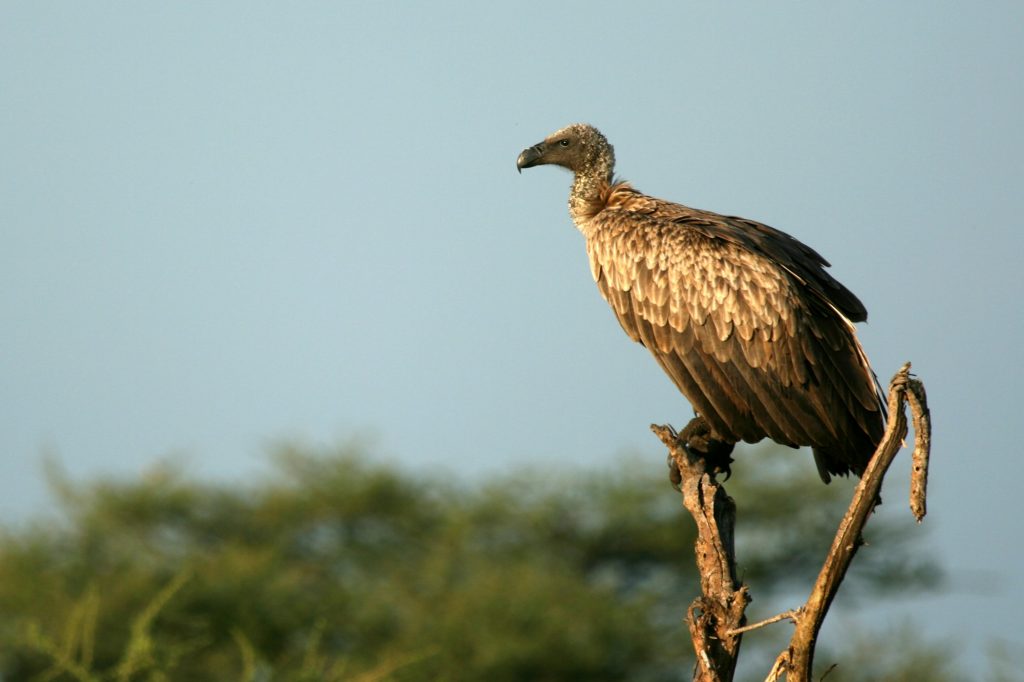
(744, 320)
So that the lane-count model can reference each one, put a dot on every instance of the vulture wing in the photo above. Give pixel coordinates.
(746, 322)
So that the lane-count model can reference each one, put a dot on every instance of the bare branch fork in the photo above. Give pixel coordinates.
(716, 618)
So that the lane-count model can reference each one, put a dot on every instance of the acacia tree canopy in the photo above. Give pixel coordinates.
(339, 567)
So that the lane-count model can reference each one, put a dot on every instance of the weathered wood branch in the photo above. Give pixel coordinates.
(716, 618)
(797, 660)
(715, 615)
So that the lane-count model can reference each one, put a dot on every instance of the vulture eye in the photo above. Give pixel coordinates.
(564, 143)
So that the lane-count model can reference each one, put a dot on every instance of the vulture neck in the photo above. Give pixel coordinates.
(590, 189)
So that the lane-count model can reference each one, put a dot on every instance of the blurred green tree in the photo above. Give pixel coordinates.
(339, 568)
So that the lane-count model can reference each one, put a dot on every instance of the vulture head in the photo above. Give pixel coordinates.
(580, 148)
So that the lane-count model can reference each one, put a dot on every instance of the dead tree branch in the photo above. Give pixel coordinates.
(717, 613)
(798, 658)
(715, 618)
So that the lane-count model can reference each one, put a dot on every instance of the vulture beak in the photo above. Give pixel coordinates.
(530, 157)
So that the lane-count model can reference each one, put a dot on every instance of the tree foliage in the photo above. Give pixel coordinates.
(340, 568)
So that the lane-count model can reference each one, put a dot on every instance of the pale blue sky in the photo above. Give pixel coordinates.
(227, 224)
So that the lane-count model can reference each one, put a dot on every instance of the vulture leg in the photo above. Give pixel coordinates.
(696, 437)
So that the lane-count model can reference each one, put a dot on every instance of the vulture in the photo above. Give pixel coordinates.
(742, 317)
